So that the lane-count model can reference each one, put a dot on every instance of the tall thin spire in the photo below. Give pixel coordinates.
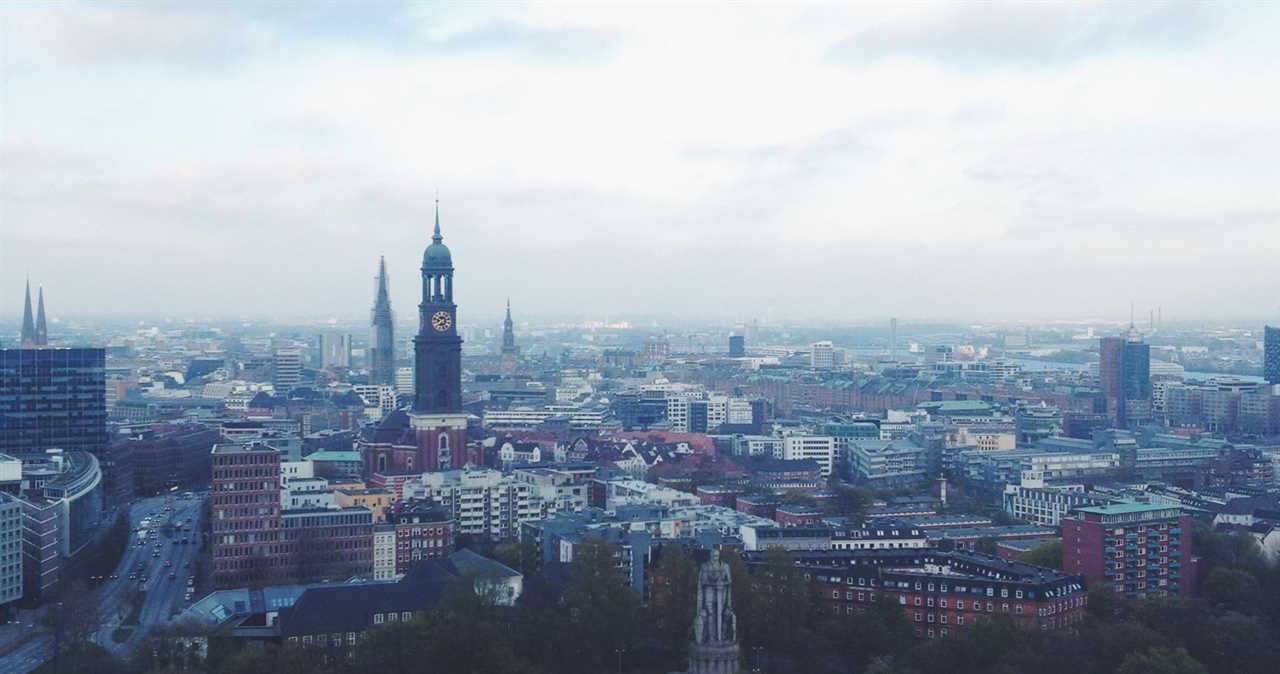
(382, 346)
(28, 324)
(436, 235)
(42, 328)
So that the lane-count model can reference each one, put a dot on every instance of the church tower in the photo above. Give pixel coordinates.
(42, 328)
(382, 342)
(28, 323)
(437, 407)
(509, 353)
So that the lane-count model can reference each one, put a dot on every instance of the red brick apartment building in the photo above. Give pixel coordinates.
(1137, 549)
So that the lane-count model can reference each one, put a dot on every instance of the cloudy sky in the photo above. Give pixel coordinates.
(975, 161)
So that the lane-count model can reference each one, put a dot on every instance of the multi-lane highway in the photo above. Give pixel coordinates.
(156, 563)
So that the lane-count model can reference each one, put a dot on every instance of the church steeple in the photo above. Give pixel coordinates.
(28, 324)
(42, 328)
(382, 345)
(508, 334)
(437, 348)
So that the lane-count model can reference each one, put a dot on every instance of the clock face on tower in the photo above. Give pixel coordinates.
(441, 320)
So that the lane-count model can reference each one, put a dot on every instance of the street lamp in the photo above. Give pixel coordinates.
(619, 652)
(756, 651)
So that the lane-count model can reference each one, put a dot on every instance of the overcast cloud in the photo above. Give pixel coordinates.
(951, 161)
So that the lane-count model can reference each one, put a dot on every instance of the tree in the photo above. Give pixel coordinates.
(1047, 554)
(1161, 660)
(673, 603)
(71, 618)
(602, 609)
(1233, 590)
(520, 555)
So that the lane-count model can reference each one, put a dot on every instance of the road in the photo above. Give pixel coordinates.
(164, 596)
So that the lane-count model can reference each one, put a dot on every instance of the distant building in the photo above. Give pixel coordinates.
(335, 350)
(1271, 355)
(822, 356)
(737, 346)
(286, 370)
(1137, 550)
(1124, 374)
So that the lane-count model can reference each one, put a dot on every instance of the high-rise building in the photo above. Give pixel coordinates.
(509, 351)
(245, 507)
(52, 398)
(10, 553)
(382, 344)
(1271, 355)
(437, 407)
(1124, 375)
(737, 346)
(1111, 372)
(286, 370)
(404, 381)
(822, 356)
(1134, 549)
(335, 350)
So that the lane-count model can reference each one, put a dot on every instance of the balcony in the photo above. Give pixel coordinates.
(1175, 531)
(1175, 553)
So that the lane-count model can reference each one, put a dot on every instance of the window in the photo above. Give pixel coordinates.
(942, 618)
(917, 601)
(959, 604)
(406, 616)
(917, 616)
(990, 607)
(959, 620)
(377, 618)
(942, 603)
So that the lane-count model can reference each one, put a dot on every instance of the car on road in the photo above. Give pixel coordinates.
(186, 565)
(173, 576)
(168, 562)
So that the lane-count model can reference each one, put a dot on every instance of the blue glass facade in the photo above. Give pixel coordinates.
(52, 398)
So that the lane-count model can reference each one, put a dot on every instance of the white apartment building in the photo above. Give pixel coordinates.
(384, 552)
(820, 448)
(307, 493)
(379, 399)
(404, 380)
(483, 501)
(822, 356)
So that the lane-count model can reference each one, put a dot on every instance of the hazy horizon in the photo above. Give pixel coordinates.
(944, 162)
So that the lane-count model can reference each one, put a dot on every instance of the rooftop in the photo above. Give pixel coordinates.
(1125, 508)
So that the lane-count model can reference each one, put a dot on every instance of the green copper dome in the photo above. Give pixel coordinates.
(437, 255)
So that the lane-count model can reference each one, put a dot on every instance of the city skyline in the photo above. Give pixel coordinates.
(608, 161)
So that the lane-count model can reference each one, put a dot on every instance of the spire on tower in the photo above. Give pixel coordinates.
(42, 328)
(436, 235)
(28, 324)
